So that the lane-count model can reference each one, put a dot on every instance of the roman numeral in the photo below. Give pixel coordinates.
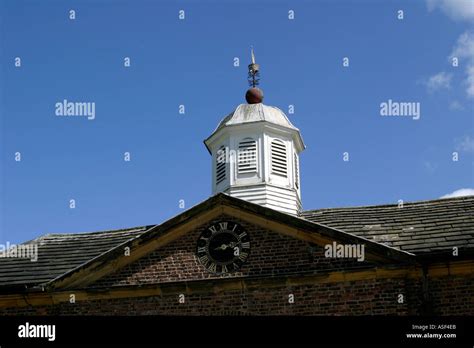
(235, 226)
(223, 225)
(204, 259)
(243, 256)
(242, 235)
(212, 267)
(246, 245)
(213, 229)
(201, 249)
(224, 269)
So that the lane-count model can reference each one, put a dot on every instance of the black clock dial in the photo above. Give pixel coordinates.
(223, 247)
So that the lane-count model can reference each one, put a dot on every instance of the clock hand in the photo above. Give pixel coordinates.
(225, 246)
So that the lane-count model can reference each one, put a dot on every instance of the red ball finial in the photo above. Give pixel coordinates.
(254, 95)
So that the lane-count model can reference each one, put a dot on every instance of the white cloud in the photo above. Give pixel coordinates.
(455, 9)
(464, 48)
(470, 80)
(439, 81)
(460, 193)
(430, 166)
(465, 144)
(464, 51)
(456, 106)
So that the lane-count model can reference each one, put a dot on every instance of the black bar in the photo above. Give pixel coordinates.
(135, 331)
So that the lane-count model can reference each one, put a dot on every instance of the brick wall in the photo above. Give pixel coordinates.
(352, 298)
(272, 255)
(452, 296)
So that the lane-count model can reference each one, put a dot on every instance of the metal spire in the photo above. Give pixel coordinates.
(254, 68)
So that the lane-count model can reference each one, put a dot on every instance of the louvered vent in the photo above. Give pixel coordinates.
(279, 166)
(220, 165)
(247, 156)
(297, 172)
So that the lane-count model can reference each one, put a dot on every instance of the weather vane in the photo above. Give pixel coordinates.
(254, 75)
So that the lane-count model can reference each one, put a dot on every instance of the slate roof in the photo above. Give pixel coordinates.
(418, 227)
(60, 253)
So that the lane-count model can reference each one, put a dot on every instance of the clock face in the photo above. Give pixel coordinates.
(223, 247)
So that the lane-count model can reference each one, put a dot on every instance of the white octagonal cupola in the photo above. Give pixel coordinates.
(255, 155)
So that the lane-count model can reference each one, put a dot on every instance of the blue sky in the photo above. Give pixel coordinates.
(190, 62)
